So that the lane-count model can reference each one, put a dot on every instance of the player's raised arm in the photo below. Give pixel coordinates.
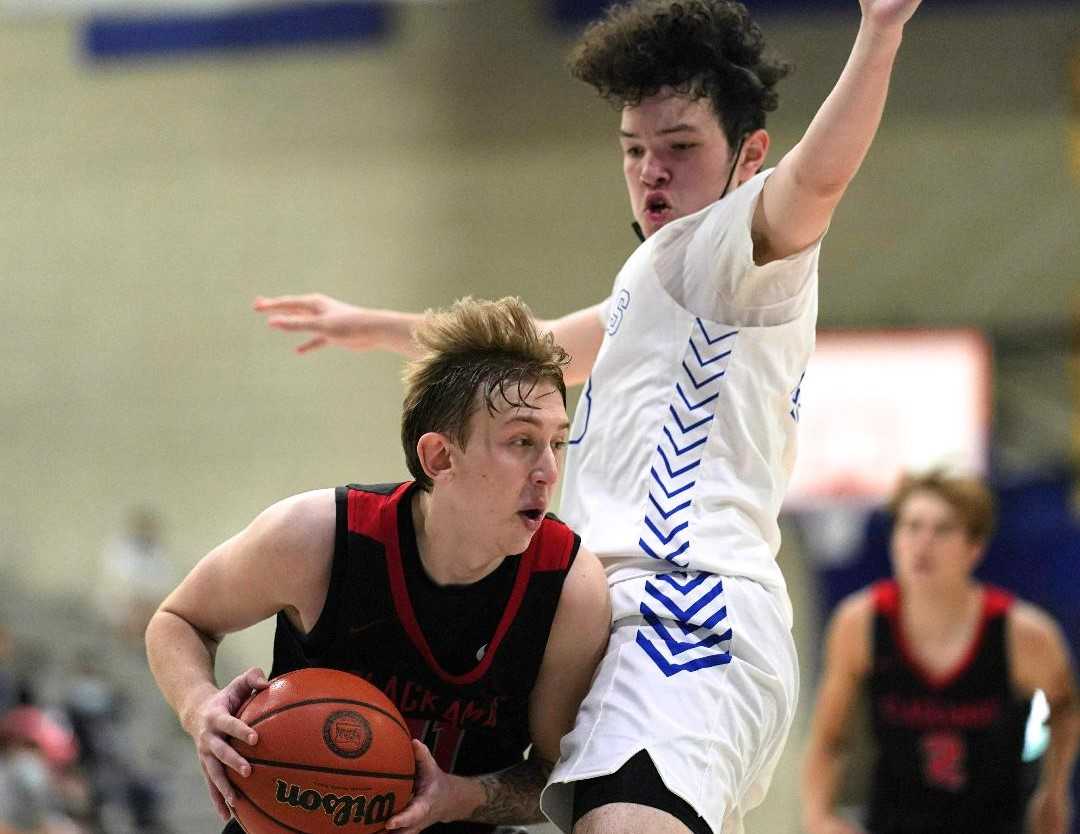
(1041, 661)
(847, 661)
(799, 198)
(280, 562)
(328, 321)
(579, 334)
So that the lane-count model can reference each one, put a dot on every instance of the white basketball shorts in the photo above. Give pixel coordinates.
(701, 672)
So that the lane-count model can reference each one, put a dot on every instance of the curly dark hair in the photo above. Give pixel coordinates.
(700, 48)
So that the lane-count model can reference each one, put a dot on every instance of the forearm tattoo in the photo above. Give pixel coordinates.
(513, 795)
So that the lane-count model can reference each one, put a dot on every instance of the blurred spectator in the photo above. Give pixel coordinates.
(18, 664)
(9, 686)
(36, 783)
(117, 787)
(135, 576)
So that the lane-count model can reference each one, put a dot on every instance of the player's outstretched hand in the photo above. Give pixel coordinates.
(430, 798)
(888, 13)
(325, 320)
(211, 726)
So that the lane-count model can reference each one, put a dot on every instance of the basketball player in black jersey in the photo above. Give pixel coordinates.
(477, 613)
(950, 665)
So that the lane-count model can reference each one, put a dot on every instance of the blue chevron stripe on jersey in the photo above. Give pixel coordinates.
(666, 514)
(665, 538)
(675, 473)
(712, 340)
(705, 381)
(684, 636)
(682, 450)
(676, 646)
(689, 586)
(667, 557)
(691, 426)
(663, 486)
(796, 406)
(697, 405)
(669, 669)
(665, 529)
(686, 615)
(701, 360)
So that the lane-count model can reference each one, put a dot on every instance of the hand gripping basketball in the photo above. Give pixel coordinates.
(212, 724)
(333, 754)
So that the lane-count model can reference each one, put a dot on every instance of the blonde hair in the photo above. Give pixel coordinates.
(969, 497)
(473, 349)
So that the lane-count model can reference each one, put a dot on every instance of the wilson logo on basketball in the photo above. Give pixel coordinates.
(347, 733)
(343, 809)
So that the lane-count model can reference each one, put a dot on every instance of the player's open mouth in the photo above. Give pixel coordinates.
(657, 209)
(532, 517)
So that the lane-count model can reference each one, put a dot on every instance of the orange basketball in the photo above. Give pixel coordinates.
(333, 755)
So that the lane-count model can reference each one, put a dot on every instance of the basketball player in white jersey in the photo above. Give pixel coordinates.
(684, 436)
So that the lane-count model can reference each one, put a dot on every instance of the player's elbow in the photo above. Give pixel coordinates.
(152, 635)
(168, 627)
(824, 748)
(825, 189)
(814, 179)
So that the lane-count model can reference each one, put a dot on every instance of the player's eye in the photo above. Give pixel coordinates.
(633, 152)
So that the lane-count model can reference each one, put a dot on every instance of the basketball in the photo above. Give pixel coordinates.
(333, 755)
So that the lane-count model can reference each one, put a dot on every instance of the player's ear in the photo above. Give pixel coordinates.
(755, 149)
(433, 451)
(976, 552)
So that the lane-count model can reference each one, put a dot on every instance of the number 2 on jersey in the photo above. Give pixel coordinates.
(944, 756)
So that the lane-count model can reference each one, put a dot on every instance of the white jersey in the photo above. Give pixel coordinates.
(685, 435)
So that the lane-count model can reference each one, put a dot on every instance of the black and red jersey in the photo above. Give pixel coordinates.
(948, 748)
(458, 661)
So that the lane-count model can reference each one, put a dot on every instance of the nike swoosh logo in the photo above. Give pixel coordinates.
(366, 626)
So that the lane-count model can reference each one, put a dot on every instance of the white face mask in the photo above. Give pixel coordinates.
(31, 771)
(27, 777)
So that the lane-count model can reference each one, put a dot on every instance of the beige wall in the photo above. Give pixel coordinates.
(143, 207)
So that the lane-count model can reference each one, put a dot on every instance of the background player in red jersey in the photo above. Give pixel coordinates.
(474, 611)
(950, 665)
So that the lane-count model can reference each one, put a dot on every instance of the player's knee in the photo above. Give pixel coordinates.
(628, 818)
(631, 800)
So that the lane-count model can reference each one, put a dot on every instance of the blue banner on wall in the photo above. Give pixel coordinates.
(112, 37)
